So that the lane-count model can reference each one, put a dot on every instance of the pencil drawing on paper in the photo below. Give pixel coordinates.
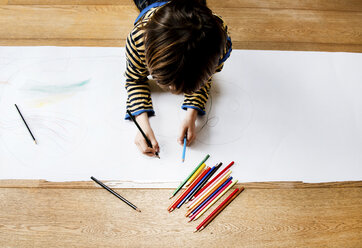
(55, 88)
(225, 130)
(58, 128)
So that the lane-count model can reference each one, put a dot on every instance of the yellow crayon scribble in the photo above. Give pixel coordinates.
(50, 100)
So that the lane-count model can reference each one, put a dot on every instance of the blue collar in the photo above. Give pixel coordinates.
(144, 11)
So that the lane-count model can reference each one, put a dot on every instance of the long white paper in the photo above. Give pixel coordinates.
(281, 116)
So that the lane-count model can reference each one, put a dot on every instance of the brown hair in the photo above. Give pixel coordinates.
(184, 42)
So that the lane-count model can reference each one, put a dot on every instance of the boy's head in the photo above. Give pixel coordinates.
(184, 42)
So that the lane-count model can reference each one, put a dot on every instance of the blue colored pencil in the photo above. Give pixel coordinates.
(196, 186)
(184, 150)
(210, 196)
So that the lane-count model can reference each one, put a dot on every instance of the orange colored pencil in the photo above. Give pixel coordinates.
(221, 207)
(188, 189)
(209, 183)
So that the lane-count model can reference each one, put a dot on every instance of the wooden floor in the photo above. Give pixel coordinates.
(264, 215)
(79, 214)
(319, 25)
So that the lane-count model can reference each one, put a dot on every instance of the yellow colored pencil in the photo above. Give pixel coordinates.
(192, 178)
(216, 199)
(208, 193)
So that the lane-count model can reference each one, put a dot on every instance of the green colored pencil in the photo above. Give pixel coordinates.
(183, 183)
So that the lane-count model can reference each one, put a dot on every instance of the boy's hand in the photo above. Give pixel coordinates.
(188, 126)
(140, 141)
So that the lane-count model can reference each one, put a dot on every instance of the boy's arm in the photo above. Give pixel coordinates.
(142, 120)
(188, 127)
(198, 99)
(139, 101)
(138, 91)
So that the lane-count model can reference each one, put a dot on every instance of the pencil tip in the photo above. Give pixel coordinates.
(183, 160)
(138, 210)
(195, 230)
(35, 142)
(170, 197)
(171, 210)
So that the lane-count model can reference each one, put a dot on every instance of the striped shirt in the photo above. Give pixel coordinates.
(137, 86)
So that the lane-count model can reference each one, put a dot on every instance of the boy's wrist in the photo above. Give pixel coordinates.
(191, 114)
(142, 120)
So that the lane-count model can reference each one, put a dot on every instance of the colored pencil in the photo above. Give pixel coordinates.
(218, 175)
(206, 205)
(214, 200)
(143, 134)
(195, 199)
(220, 208)
(199, 170)
(182, 196)
(184, 149)
(116, 194)
(208, 199)
(183, 183)
(201, 199)
(209, 191)
(204, 182)
(25, 123)
(196, 187)
(193, 209)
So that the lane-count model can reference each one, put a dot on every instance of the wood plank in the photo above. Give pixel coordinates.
(246, 45)
(247, 26)
(20, 183)
(66, 22)
(71, 2)
(257, 218)
(271, 25)
(63, 42)
(337, 5)
(296, 46)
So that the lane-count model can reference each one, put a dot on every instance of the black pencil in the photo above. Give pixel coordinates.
(25, 124)
(116, 194)
(139, 128)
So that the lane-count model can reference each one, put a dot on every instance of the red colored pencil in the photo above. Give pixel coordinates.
(207, 203)
(218, 175)
(184, 194)
(221, 207)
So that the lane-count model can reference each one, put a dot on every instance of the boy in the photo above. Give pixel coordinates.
(181, 43)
